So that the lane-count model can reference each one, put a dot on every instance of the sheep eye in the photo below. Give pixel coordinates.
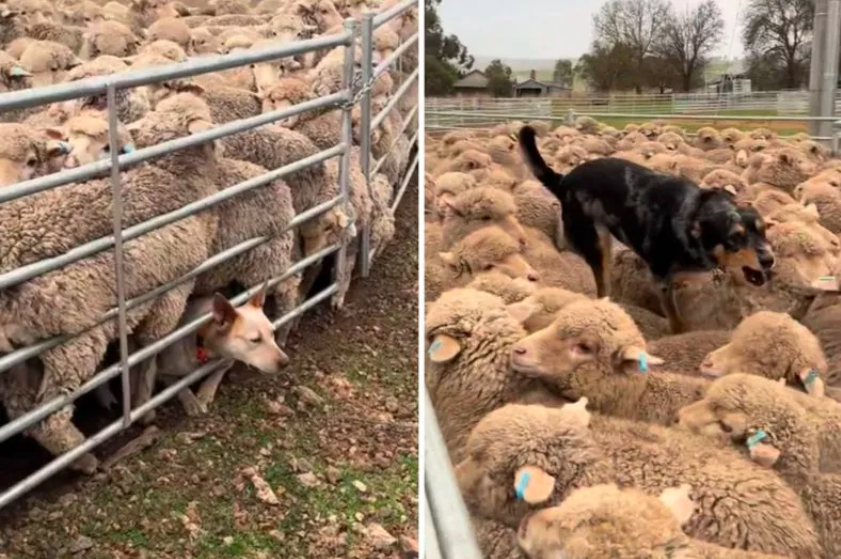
(489, 267)
(31, 162)
(486, 218)
(584, 348)
(724, 427)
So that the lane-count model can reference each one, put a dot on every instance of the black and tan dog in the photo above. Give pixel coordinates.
(671, 223)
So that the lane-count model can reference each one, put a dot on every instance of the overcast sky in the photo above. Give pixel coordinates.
(547, 29)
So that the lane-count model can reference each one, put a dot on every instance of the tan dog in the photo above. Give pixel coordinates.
(242, 334)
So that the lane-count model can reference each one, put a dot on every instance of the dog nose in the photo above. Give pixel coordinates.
(282, 360)
(767, 261)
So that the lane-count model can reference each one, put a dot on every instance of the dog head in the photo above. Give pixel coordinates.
(733, 237)
(244, 334)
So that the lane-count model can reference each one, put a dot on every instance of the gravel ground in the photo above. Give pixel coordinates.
(318, 462)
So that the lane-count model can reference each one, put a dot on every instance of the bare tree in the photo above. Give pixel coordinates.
(688, 38)
(634, 24)
(779, 32)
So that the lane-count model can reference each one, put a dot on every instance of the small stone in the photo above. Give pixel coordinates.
(361, 487)
(308, 479)
(359, 516)
(308, 396)
(82, 543)
(333, 475)
(228, 540)
(379, 537)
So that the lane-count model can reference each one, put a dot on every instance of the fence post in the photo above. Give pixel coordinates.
(367, 31)
(570, 120)
(347, 139)
(117, 205)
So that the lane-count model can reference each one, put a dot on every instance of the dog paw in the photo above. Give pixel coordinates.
(195, 408)
(87, 464)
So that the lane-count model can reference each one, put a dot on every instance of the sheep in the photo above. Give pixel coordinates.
(538, 310)
(685, 352)
(24, 155)
(469, 335)
(784, 169)
(594, 350)
(651, 129)
(35, 312)
(763, 134)
(538, 208)
(13, 76)
(775, 346)
(761, 417)
(724, 179)
(109, 38)
(732, 136)
(587, 125)
(671, 141)
(606, 522)
(741, 505)
(324, 129)
(87, 135)
(202, 41)
(69, 36)
(476, 208)
(827, 199)
(485, 249)
(447, 187)
(166, 49)
(809, 216)
(48, 62)
(470, 160)
(169, 29)
(770, 201)
(511, 290)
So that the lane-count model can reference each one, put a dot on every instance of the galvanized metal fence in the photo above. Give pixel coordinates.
(353, 91)
(445, 114)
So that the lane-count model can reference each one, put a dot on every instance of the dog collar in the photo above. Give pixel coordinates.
(201, 352)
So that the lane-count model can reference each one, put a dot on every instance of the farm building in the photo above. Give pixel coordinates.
(473, 84)
(532, 87)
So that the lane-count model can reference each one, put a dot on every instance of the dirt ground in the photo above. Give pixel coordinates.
(319, 462)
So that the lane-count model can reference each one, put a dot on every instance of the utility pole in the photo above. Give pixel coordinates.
(823, 80)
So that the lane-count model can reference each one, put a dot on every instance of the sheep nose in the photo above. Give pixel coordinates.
(519, 350)
(532, 276)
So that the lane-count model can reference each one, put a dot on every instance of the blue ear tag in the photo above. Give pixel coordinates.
(643, 361)
(811, 377)
(65, 147)
(18, 72)
(522, 484)
(756, 438)
(436, 345)
(128, 148)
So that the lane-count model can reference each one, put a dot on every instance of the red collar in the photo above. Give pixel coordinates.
(201, 352)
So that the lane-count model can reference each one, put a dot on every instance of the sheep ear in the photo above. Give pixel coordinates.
(443, 348)
(449, 259)
(770, 222)
(533, 485)
(639, 356)
(764, 454)
(813, 209)
(197, 126)
(54, 133)
(678, 501)
(578, 412)
(812, 382)
(521, 311)
(19, 72)
(731, 189)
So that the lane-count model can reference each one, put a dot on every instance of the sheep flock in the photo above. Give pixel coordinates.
(581, 427)
(52, 42)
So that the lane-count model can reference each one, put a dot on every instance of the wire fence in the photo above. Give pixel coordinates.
(354, 92)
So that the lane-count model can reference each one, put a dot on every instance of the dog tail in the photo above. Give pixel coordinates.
(536, 163)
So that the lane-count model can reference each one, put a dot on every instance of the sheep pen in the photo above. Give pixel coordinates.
(618, 356)
(222, 229)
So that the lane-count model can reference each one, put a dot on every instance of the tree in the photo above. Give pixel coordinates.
(687, 40)
(778, 38)
(563, 72)
(635, 25)
(605, 68)
(446, 59)
(500, 82)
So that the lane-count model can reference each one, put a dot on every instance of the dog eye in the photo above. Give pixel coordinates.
(255, 339)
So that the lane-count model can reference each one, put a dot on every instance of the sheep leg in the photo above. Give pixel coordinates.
(143, 385)
(666, 294)
(286, 298)
(105, 397)
(207, 390)
(343, 278)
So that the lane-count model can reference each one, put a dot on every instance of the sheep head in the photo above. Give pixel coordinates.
(25, 155)
(487, 249)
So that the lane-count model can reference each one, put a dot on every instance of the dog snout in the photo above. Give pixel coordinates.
(282, 360)
(767, 260)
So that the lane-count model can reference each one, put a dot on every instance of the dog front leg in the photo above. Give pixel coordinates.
(666, 293)
(207, 390)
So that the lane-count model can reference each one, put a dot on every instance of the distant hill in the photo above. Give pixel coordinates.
(521, 66)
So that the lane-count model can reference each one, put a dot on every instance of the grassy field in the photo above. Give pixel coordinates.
(334, 438)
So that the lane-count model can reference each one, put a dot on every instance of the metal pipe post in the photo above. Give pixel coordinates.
(817, 67)
(119, 269)
(830, 65)
(367, 31)
(347, 139)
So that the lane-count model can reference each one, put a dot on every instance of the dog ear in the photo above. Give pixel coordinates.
(224, 313)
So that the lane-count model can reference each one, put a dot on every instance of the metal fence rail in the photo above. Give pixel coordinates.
(343, 100)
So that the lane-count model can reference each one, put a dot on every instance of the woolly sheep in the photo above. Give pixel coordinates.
(761, 417)
(485, 249)
(587, 125)
(685, 352)
(540, 209)
(202, 41)
(48, 62)
(169, 29)
(69, 36)
(324, 129)
(775, 346)
(606, 522)
(826, 198)
(24, 155)
(511, 290)
(36, 312)
(476, 208)
(741, 505)
(784, 169)
(594, 350)
(110, 38)
(469, 335)
(538, 310)
(724, 179)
